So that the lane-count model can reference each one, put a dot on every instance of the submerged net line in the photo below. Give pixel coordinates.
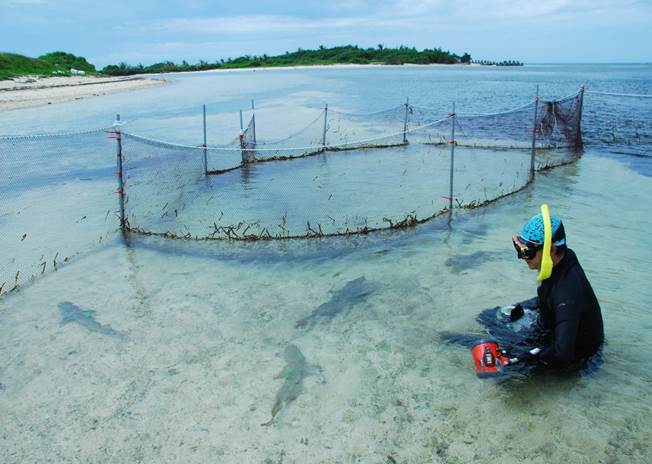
(251, 231)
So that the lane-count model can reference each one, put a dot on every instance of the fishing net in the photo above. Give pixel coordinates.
(369, 172)
(338, 174)
(304, 142)
(381, 129)
(168, 194)
(493, 151)
(327, 131)
(58, 201)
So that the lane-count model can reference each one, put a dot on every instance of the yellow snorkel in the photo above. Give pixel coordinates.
(546, 259)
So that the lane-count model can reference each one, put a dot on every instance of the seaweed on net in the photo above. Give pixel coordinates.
(252, 231)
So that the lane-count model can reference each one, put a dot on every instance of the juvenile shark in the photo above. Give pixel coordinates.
(294, 372)
(70, 312)
(353, 292)
(459, 263)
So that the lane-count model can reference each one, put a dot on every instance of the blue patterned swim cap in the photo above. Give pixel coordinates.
(533, 230)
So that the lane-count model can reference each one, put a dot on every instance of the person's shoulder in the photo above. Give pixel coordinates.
(573, 281)
(575, 269)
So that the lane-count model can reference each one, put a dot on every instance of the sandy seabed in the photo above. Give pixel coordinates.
(192, 370)
(26, 92)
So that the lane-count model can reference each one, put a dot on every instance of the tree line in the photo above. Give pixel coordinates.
(348, 54)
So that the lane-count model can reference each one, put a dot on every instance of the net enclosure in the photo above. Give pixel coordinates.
(343, 173)
(65, 194)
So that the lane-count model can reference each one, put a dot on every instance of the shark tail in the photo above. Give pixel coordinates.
(275, 409)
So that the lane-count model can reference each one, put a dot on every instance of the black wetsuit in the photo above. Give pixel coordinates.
(570, 315)
(564, 320)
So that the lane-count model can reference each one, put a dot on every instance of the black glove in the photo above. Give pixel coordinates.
(516, 313)
(524, 355)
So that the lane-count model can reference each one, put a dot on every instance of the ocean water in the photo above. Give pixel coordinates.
(203, 326)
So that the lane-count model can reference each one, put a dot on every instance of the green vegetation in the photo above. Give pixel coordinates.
(349, 54)
(69, 61)
(51, 64)
(60, 63)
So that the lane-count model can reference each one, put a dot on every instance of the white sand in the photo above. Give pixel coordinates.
(327, 66)
(32, 91)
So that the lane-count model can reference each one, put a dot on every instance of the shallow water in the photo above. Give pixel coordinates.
(205, 326)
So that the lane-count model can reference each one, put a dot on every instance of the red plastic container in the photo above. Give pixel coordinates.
(488, 358)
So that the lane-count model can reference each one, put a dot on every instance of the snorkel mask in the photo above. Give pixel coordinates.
(540, 233)
(524, 249)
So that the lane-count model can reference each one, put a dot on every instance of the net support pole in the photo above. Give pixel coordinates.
(579, 142)
(242, 141)
(253, 127)
(253, 121)
(452, 167)
(205, 150)
(121, 182)
(323, 138)
(405, 122)
(534, 138)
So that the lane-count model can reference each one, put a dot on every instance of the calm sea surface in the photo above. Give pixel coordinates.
(180, 360)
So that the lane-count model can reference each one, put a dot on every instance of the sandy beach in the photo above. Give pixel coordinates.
(30, 91)
(323, 66)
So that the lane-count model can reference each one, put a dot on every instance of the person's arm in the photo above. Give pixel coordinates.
(562, 350)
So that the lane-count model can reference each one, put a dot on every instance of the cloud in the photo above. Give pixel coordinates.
(408, 14)
(23, 2)
(254, 24)
(150, 31)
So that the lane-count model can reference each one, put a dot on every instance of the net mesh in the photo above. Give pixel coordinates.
(352, 131)
(304, 142)
(58, 201)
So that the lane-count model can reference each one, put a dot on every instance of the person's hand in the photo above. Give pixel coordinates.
(516, 313)
(524, 355)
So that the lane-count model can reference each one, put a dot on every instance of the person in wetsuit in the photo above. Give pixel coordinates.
(569, 326)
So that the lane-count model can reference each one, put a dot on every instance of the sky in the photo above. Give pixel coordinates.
(150, 31)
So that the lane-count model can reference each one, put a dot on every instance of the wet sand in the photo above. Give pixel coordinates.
(31, 91)
(26, 92)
